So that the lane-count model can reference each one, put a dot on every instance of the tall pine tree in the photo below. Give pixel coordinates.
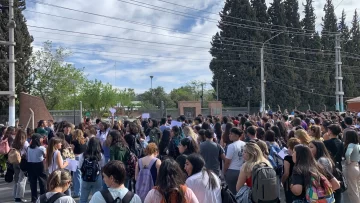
(233, 66)
(23, 51)
(279, 70)
(328, 44)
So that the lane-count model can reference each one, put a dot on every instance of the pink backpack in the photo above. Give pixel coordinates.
(4, 146)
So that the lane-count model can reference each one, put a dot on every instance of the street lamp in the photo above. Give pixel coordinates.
(263, 81)
(152, 93)
(248, 88)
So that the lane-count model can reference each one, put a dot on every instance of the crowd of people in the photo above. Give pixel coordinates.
(247, 158)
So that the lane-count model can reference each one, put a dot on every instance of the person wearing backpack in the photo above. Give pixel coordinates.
(119, 150)
(258, 174)
(170, 186)
(147, 171)
(20, 146)
(114, 175)
(59, 181)
(133, 140)
(155, 132)
(310, 181)
(90, 163)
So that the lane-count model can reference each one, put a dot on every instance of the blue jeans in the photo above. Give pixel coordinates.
(90, 187)
(77, 180)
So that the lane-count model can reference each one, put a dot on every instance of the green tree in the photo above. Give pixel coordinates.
(53, 80)
(328, 43)
(311, 43)
(153, 99)
(232, 65)
(23, 51)
(350, 44)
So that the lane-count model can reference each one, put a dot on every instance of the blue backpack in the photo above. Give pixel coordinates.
(275, 159)
(145, 180)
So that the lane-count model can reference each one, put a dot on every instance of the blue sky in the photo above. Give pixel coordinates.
(129, 64)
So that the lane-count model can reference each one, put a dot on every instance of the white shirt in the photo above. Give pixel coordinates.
(234, 152)
(64, 199)
(199, 184)
(98, 198)
(23, 150)
(53, 166)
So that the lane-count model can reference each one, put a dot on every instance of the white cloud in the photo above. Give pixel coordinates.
(172, 66)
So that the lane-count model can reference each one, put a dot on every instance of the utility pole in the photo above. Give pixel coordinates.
(11, 43)
(263, 81)
(202, 94)
(248, 89)
(338, 76)
(152, 92)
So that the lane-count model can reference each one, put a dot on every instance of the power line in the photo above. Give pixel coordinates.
(338, 4)
(323, 95)
(241, 19)
(175, 12)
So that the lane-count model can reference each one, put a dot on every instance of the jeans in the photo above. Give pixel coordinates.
(90, 187)
(37, 173)
(77, 180)
(20, 182)
(231, 177)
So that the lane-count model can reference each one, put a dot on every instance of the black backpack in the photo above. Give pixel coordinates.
(90, 170)
(264, 184)
(52, 199)
(139, 149)
(109, 198)
(226, 195)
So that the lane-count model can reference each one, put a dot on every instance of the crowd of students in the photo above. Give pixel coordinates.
(147, 160)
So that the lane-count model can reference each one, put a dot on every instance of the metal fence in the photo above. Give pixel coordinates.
(67, 115)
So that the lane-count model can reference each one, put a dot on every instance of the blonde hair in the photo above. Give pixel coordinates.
(303, 136)
(190, 132)
(151, 148)
(255, 156)
(263, 146)
(79, 136)
(58, 178)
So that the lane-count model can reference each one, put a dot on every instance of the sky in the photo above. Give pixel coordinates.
(124, 44)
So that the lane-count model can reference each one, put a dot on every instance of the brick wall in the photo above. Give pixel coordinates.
(354, 106)
(195, 104)
(28, 101)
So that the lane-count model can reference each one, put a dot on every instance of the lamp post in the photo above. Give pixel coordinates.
(152, 93)
(263, 81)
(248, 89)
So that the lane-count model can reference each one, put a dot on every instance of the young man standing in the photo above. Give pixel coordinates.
(212, 152)
(234, 159)
(334, 145)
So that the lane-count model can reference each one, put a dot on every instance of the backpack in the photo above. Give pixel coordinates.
(144, 182)
(52, 199)
(9, 175)
(264, 180)
(226, 195)
(109, 198)
(90, 170)
(276, 159)
(320, 191)
(131, 164)
(4, 147)
(14, 156)
(155, 136)
(341, 178)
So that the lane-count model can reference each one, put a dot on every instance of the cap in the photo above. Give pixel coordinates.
(312, 121)
(236, 122)
(42, 131)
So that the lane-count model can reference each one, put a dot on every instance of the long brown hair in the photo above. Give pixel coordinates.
(51, 149)
(19, 140)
